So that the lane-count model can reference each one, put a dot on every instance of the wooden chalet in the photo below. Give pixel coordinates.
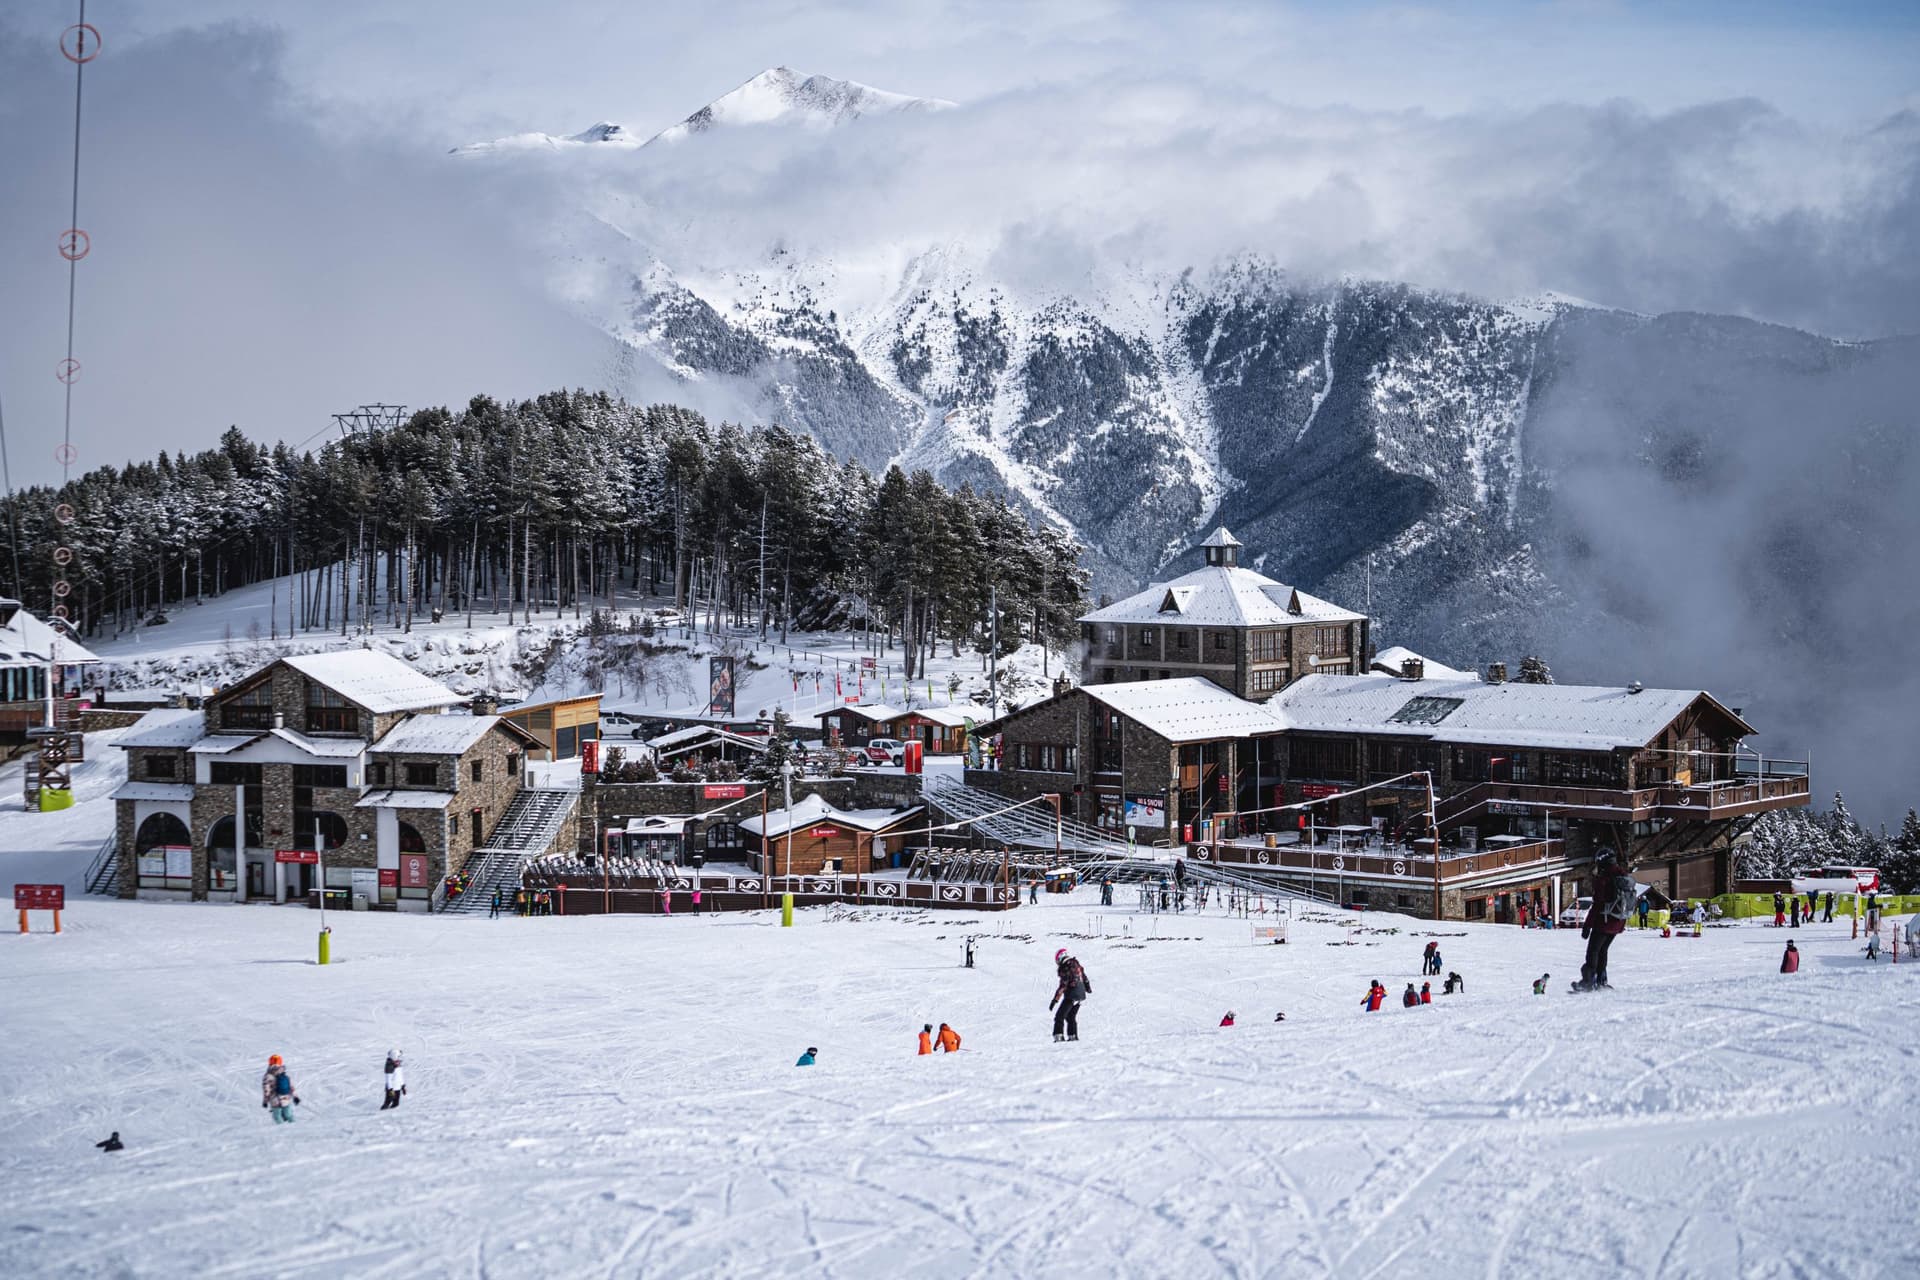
(827, 840)
(561, 725)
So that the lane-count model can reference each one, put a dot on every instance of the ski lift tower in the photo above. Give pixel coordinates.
(371, 417)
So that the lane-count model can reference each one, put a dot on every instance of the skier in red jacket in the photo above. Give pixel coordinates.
(1375, 997)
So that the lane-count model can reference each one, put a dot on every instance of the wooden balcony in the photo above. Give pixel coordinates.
(1705, 801)
(1410, 865)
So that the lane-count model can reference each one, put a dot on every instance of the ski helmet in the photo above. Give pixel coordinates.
(274, 1061)
(1060, 955)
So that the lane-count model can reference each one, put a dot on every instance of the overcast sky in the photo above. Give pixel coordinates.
(279, 235)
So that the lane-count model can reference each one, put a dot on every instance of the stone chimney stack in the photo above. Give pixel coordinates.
(1413, 669)
(1496, 673)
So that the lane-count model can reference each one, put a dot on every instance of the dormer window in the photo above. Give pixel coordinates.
(249, 709)
(328, 712)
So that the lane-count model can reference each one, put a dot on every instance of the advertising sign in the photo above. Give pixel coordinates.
(724, 791)
(590, 756)
(823, 833)
(1147, 811)
(39, 897)
(389, 877)
(720, 686)
(1318, 791)
(413, 871)
(294, 855)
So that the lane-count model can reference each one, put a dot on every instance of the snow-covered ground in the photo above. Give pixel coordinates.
(224, 639)
(619, 1097)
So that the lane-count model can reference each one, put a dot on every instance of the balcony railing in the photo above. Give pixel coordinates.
(1375, 860)
(1732, 798)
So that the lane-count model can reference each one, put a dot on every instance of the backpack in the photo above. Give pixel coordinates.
(1620, 904)
(282, 1084)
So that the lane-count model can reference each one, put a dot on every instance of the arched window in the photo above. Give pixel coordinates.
(220, 835)
(410, 840)
(159, 829)
(333, 828)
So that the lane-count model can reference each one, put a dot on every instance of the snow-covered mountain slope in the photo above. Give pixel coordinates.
(780, 95)
(605, 134)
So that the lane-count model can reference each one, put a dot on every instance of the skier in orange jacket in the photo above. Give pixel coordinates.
(949, 1039)
(926, 1039)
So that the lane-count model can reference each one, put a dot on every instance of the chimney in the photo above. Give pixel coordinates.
(485, 704)
(279, 721)
(1413, 668)
(1635, 687)
(1496, 673)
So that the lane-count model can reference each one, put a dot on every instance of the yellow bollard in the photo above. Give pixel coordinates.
(786, 911)
(326, 945)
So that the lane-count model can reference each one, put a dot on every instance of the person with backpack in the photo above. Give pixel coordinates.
(1375, 997)
(1426, 993)
(1455, 983)
(1073, 989)
(926, 1039)
(1644, 907)
(396, 1080)
(1790, 962)
(948, 1040)
(276, 1091)
(1612, 901)
(1409, 999)
(1434, 961)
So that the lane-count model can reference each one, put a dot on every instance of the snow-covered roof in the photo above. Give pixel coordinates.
(170, 792)
(219, 744)
(684, 739)
(166, 728)
(436, 735)
(1390, 659)
(955, 716)
(1466, 710)
(1222, 595)
(1221, 538)
(26, 639)
(377, 681)
(815, 811)
(1187, 709)
(402, 799)
(874, 711)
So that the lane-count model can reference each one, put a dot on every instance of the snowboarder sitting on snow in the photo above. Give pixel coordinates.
(1375, 997)
(948, 1039)
(806, 1059)
(1540, 984)
(1073, 989)
(1790, 962)
(112, 1143)
(1409, 998)
(1426, 993)
(276, 1091)
(396, 1080)
(1228, 1020)
(926, 1039)
(1454, 983)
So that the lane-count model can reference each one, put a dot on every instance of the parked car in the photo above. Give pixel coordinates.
(618, 724)
(886, 751)
(1574, 915)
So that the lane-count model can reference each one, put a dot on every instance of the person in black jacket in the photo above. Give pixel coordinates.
(1074, 988)
(112, 1143)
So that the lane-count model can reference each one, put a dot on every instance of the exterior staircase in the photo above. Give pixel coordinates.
(1027, 827)
(103, 873)
(524, 831)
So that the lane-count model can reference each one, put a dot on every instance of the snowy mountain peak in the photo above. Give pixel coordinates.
(605, 133)
(781, 95)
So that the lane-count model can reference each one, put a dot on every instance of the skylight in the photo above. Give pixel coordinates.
(1426, 710)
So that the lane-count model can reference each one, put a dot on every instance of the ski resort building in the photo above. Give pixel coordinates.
(1379, 780)
(826, 839)
(351, 755)
(941, 731)
(1248, 634)
(41, 671)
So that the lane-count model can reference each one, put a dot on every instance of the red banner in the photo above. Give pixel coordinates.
(724, 791)
(413, 870)
(590, 756)
(823, 833)
(389, 877)
(296, 855)
(39, 897)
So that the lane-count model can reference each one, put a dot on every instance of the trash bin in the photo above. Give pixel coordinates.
(359, 902)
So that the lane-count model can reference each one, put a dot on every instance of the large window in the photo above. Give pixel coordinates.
(1266, 679)
(1044, 757)
(163, 767)
(723, 837)
(1471, 764)
(163, 853)
(1579, 769)
(226, 773)
(1330, 758)
(330, 827)
(319, 775)
(422, 775)
(1390, 759)
(249, 709)
(1267, 646)
(410, 839)
(1106, 742)
(1332, 642)
(328, 712)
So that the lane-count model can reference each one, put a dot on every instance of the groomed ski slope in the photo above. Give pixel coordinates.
(618, 1097)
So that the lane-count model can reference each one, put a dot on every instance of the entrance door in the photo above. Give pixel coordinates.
(256, 880)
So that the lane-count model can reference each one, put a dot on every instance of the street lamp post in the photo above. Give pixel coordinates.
(786, 897)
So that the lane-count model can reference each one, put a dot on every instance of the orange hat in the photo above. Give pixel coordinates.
(274, 1061)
